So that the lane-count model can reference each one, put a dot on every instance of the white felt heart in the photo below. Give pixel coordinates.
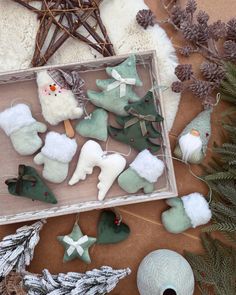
(92, 155)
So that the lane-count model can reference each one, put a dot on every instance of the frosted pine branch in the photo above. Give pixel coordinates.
(17, 250)
(94, 282)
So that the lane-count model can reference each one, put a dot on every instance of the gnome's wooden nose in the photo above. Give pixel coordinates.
(53, 87)
(195, 132)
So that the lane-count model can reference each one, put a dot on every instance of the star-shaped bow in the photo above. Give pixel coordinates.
(76, 245)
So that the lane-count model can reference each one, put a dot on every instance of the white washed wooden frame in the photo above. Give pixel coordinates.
(149, 58)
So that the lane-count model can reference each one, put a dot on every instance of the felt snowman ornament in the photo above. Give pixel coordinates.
(56, 155)
(111, 166)
(193, 141)
(143, 173)
(186, 212)
(18, 123)
(58, 103)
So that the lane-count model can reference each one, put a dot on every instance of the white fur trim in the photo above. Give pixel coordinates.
(148, 166)
(197, 209)
(16, 117)
(189, 144)
(59, 147)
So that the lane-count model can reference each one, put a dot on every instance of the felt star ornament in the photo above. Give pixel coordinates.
(76, 245)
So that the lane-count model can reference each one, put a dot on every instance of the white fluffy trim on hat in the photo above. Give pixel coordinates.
(59, 147)
(16, 117)
(197, 209)
(148, 166)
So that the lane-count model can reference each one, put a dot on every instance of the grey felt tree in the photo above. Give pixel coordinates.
(95, 282)
(17, 250)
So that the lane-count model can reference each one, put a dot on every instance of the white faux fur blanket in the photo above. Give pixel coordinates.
(18, 28)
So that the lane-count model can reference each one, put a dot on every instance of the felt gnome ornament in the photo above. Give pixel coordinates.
(117, 91)
(56, 155)
(18, 123)
(143, 172)
(186, 212)
(193, 141)
(137, 129)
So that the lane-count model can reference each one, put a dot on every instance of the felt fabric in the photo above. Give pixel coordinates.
(76, 245)
(133, 134)
(94, 126)
(56, 155)
(22, 128)
(202, 125)
(92, 155)
(58, 103)
(117, 94)
(29, 184)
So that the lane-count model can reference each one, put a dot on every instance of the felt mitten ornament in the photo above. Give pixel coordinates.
(56, 155)
(22, 128)
(143, 172)
(92, 155)
(138, 129)
(186, 212)
(117, 91)
(193, 141)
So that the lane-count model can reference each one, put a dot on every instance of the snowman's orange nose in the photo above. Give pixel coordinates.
(52, 87)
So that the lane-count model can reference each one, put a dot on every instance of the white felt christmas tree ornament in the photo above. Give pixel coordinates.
(18, 123)
(58, 104)
(56, 155)
(92, 155)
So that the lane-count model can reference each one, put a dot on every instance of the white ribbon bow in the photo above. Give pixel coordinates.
(121, 82)
(75, 245)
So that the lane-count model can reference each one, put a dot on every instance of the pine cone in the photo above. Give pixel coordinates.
(212, 72)
(217, 30)
(191, 6)
(186, 50)
(231, 29)
(201, 88)
(177, 87)
(145, 18)
(184, 72)
(190, 32)
(203, 33)
(202, 17)
(178, 16)
(230, 50)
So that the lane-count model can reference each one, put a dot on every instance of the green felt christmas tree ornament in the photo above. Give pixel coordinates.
(143, 173)
(29, 184)
(117, 91)
(76, 245)
(137, 129)
(94, 125)
(193, 141)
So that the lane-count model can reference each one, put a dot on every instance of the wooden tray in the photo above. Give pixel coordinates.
(20, 87)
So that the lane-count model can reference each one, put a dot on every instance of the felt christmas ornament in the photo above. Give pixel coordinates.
(143, 172)
(58, 103)
(76, 245)
(30, 185)
(138, 127)
(117, 91)
(186, 212)
(193, 141)
(165, 272)
(56, 155)
(111, 229)
(92, 155)
(94, 125)
(18, 123)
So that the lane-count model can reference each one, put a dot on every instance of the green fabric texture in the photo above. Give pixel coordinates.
(35, 190)
(201, 123)
(131, 182)
(133, 135)
(94, 126)
(75, 235)
(108, 231)
(110, 100)
(175, 219)
(26, 140)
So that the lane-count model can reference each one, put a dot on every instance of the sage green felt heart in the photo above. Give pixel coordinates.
(108, 231)
(95, 126)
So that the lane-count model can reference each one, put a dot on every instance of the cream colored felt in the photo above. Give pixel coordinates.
(92, 155)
